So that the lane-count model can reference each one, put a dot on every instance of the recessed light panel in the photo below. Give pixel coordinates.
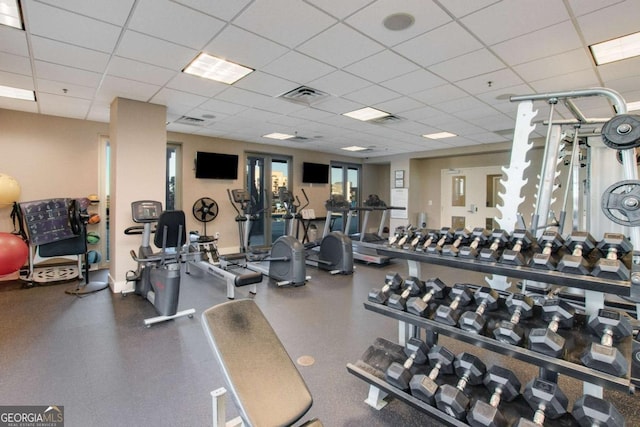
(276, 135)
(10, 14)
(616, 49)
(366, 114)
(354, 148)
(12, 92)
(217, 69)
(440, 135)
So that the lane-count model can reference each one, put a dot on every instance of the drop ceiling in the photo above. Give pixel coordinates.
(452, 70)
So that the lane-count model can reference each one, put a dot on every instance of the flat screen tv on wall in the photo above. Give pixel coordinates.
(216, 165)
(315, 173)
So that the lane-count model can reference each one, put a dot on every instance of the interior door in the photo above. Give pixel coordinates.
(265, 174)
(469, 197)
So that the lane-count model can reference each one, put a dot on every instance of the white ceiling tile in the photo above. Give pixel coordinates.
(140, 71)
(197, 85)
(204, 114)
(66, 54)
(244, 97)
(19, 81)
(507, 19)
(170, 20)
(338, 83)
(59, 105)
(460, 8)
(624, 15)
(626, 86)
(540, 44)
(499, 79)
(455, 106)
(369, 20)
(113, 87)
(218, 106)
(294, 22)
(282, 106)
(265, 84)
(337, 105)
(62, 73)
(564, 63)
(167, 96)
(154, 51)
(439, 94)
(399, 105)
(18, 105)
(15, 64)
(13, 41)
(311, 113)
(414, 81)
(58, 88)
(443, 43)
(372, 95)
(245, 48)
(340, 46)
(222, 9)
(58, 24)
(115, 11)
(487, 137)
(382, 66)
(99, 113)
(627, 68)
(340, 8)
(581, 7)
(422, 113)
(578, 80)
(298, 68)
(457, 68)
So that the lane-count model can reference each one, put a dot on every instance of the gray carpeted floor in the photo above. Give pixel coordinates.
(94, 355)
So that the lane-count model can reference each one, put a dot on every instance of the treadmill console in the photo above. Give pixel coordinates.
(144, 211)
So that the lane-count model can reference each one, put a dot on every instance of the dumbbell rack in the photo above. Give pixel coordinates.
(577, 338)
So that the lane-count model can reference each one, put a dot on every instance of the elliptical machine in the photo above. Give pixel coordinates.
(157, 277)
(334, 251)
(284, 262)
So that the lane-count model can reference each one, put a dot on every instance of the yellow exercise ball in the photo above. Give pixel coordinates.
(9, 190)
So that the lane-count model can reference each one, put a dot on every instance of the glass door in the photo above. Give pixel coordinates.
(345, 181)
(265, 175)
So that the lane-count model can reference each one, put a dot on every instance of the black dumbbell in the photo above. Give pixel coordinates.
(546, 399)
(462, 235)
(499, 238)
(446, 236)
(429, 238)
(479, 237)
(591, 411)
(520, 240)
(487, 300)
(612, 326)
(418, 236)
(580, 243)
(412, 287)
(547, 341)
(399, 375)
(407, 236)
(392, 282)
(424, 387)
(551, 242)
(521, 307)
(452, 400)
(420, 305)
(505, 386)
(449, 314)
(614, 246)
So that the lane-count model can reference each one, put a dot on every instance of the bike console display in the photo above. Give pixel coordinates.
(144, 211)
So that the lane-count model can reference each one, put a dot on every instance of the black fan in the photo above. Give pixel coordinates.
(205, 210)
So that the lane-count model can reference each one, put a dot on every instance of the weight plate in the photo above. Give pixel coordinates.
(621, 202)
(622, 132)
(205, 209)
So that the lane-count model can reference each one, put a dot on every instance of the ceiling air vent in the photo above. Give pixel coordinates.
(192, 121)
(386, 120)
(304, 95)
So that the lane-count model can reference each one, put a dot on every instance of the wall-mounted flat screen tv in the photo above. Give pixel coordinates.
(216, 165)
(315, 173)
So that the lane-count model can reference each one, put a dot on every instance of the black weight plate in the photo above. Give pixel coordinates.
(622, 132)
(622, 207)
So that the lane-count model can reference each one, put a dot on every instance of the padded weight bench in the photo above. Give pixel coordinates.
(263, 381)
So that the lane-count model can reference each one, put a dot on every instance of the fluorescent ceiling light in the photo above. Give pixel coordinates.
(617, 49)
(366, 114)
(12, 92)
(354, 148)
(217, 69)
(633, 106)
(10, 14)
(276, 135)
(440, 135)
